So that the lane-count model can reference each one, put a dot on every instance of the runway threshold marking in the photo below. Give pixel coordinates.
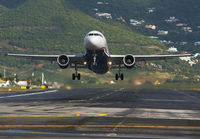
(30, 94)
(101, 126)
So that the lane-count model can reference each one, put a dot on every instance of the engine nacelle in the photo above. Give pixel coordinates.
(129, 61)
(63, 61)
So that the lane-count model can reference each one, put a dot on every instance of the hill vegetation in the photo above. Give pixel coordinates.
(56, 26)
(186, 12)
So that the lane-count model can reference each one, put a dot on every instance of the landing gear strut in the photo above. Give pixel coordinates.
(76, 74)
(119, 74)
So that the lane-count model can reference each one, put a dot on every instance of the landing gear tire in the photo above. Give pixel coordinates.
(122, 76)
(76, 74)
(79, 76)
(73, 76)
(116, 76)
(119, 74)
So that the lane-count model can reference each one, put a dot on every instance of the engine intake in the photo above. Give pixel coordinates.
(63, 61)
(129, 61)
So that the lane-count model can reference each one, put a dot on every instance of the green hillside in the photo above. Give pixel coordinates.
(56, 26)
(187, 13)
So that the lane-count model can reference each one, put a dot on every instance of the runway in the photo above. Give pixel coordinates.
(100, 113)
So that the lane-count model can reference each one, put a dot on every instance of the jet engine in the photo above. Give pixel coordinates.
(63, 61)
(129, 61)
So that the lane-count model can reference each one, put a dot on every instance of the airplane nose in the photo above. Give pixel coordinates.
(94, 43)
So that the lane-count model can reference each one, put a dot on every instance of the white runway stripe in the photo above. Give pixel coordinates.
(30, 94)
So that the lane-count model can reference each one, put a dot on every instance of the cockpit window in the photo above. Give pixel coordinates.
(94, 34)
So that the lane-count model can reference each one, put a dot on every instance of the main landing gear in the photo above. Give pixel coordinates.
(119, 74)
(76, 74)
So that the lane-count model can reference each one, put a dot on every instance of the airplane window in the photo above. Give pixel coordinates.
(98, 35)
(95, 34)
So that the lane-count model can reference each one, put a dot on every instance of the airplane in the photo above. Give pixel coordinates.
(97, 57)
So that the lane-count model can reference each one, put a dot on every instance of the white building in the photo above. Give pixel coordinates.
(197, 43)
(150, 27)
(106, 15)
(191, 60)
(171, 19)
(162, 32)
(172, 49)
(136, 22)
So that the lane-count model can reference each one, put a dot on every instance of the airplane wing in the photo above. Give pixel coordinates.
(73, 59)
(118, 59)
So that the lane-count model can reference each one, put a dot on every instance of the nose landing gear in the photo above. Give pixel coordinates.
(94, 60)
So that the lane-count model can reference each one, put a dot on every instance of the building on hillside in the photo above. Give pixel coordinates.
(187, 29)
(121, 19)
(100, 3)
(96, 9)
(183, 43)
(172, 49)
(150, 27)
(150, 10)
(106, 15)
(162, 32)
(190, 60)
(181, 24)
(153, 37)
(136, 22)
(197, 43)
(184, 52)
(171, 19)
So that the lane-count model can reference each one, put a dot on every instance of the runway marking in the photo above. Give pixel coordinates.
(102, 126)
(68, 113)
(51, 116)
(30, 94)
(36, 116)
(85, 113)
(164, 100)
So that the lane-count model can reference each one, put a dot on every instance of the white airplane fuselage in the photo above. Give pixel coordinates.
(97, 54)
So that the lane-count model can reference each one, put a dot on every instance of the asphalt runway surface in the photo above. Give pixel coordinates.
(100, 113)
